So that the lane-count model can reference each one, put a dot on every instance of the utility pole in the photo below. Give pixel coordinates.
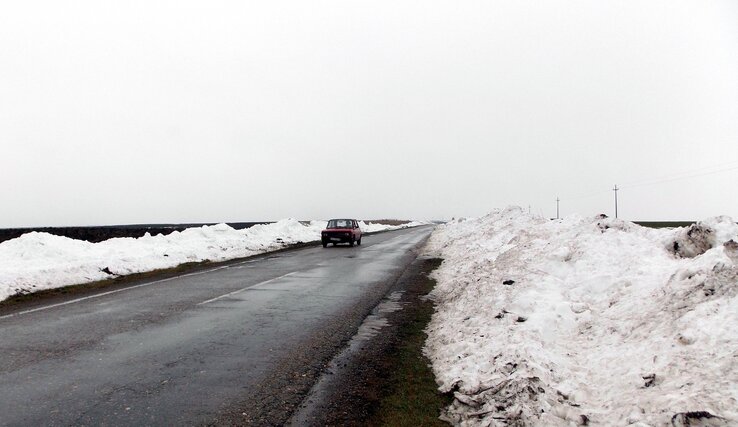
(616, 200)
(557, 208)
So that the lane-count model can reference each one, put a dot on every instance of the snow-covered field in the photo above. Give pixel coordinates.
(586, 321)
(37, 261)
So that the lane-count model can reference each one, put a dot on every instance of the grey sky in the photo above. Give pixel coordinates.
(150, 111)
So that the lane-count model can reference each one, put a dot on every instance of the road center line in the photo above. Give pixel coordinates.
(247, 287)
(74, 301)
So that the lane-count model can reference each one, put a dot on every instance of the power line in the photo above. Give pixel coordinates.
(679, 176)
(686, 173)
(586, 195)
(694, 175)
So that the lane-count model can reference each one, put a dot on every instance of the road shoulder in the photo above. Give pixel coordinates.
(385, 379)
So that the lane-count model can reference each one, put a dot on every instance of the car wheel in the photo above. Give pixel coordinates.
(351, 242)
(358, 242)
(334, 244)
(325, 244)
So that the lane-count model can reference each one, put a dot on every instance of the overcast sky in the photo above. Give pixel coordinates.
(181, 111)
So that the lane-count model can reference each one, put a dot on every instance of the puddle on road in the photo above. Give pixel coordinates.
(371, 326)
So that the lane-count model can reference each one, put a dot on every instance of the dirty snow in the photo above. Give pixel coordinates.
(37, 261)
(585, 321)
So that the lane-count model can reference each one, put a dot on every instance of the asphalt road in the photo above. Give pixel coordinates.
(196, 349)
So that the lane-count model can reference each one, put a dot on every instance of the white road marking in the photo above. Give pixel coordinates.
(74, 301)
(247, 287)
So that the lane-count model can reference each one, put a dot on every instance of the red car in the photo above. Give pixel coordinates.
(341, 231)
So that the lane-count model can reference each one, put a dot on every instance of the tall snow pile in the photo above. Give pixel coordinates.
(585, 321)
(37, 261)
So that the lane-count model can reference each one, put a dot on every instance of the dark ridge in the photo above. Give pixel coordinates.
(664, 224)
(386, 221)
(96, 234)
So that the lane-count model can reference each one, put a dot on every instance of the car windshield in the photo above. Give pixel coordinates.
(340, 223)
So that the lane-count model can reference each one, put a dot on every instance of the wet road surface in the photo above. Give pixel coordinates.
(196, 349)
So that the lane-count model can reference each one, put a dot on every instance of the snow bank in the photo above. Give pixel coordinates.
(37, 261)
(585, 321)
(372, 227)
